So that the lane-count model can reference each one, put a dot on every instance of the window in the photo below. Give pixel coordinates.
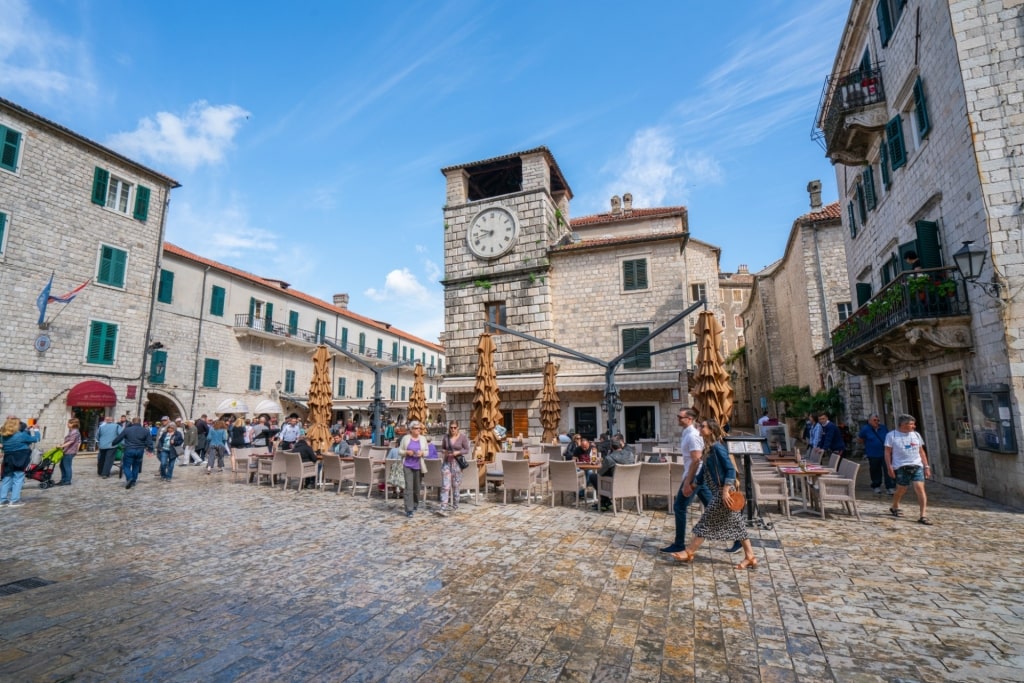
(894, 142)
(921, 110)
(634, 275)
(699, 291)
(118, 193)
(115, 194)
(10, 145)
(255, 377)
(359, 388)
(431, 394)
(868, 180)
(495, 314)
(112, 266)
(165, 290)
(845, 310)
(394, 392)
(341, 387)
(737, 296)
(321, 330)
(405, 355)
(217, 301)
(440, 366)
(362, 342)
(157, 367)
(211, 372)
(344, 338)
(888, 13)
(394, 350)
(862, 204)
(102, 343)
(853, 220)
(739, 341)
(929, 252)
(863, 293)
(641, 358)
(289, 381)
(403, 393)
(883, 166)
(380, 348)
(737, 322)
(3, 230)
(293, 323)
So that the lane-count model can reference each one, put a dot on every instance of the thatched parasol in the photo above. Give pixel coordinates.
(550, 408)
(711, 391)
(418, 398)
(486, 402)
(319, 432)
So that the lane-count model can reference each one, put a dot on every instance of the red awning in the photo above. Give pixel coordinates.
(91, 394)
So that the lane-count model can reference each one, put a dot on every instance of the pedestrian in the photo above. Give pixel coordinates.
(260, 434)
(171, 441)
(202, 434)
(907, 462)
(691, 445)
(137, 441)
(190, 435)
(290, 433)
(413, 448)
(216, 446)
(105, 435)
(453, 445)
(830, 440)
(718, 522)
(617, 455)
(72, 442)
(17, 444)
(237, 438)
(872, 435)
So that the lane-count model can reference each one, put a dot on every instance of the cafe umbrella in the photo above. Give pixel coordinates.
(319, 432)
(711, 391)
(418, 398)
(550, 409)
(486, 413)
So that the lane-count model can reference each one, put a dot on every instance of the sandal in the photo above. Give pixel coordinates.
(748, 563)
(896, 512)
(683, 556)
(925, 521)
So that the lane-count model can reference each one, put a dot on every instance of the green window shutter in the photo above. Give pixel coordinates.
(928, 251)
(141, 203)
(293, 322)
(158, 367)
(217, 301)
(886, 275)
(341, 387)
(102, 343)
(211, 372)
(10, 140)
(252, 312)
(100, 178)
(863, 293)
(403, 393)
(869, 188)
(641, 358)
(359, 388)
(884, 21)
(862, 204)
(344, 338)
(268, 317)
(634, 274)
(440, 366)
(289, 381)
(255, 377)
(394, 351)
(3, 229)
(362, 342)
(853, 220)
(165, 290)
(393, 392)
(921, 109)
(894, 139)
(112, 265)
(380, 348)
(883, 164)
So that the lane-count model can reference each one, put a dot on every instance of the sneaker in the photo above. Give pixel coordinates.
(877, 489)
(408, 514)
(130, 485)
(3, 503)
(441, 513)
(209, 471)
(15, 504)
(736, 547)
(891, 492)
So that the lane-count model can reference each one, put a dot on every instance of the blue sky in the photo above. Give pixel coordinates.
(308, 136)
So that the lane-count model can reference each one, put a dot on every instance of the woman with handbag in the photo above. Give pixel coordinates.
(723, 518)
(413, 449)
(454, 447)
(168, 449)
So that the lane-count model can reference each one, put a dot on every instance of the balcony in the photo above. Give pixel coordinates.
(851, 113)
(282, 333)
(920, 315)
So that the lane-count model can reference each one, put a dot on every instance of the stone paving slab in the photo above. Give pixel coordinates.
(208, 579)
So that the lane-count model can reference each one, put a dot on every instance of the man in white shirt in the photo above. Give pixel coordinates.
(691, 445)
(764, 419)
(907, 463)
(290, 433)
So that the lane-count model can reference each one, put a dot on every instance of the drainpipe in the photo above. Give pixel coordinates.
(152, 300)
(199, 336)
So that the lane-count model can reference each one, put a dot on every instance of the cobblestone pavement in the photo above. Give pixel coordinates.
(204, 579)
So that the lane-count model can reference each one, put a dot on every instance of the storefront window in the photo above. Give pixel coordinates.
(956, 427)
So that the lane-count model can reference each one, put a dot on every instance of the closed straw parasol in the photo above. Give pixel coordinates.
(711, 391)
(550, 408)
(418, 398)
(319, 433)
(486, 402)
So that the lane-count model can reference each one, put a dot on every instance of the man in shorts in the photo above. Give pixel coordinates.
(907, 463)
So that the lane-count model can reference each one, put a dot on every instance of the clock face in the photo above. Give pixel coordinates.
(492, 233)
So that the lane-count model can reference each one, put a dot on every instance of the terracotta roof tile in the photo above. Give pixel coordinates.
(634, 214)
(825, 213)
(625, 239)
(276, 285)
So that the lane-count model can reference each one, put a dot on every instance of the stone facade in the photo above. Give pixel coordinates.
(56, 218)
(239, 335)
(735, 294)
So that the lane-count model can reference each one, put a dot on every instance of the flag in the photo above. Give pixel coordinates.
(43, 299)
(70, 296)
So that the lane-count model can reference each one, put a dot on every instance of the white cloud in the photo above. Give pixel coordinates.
(201, 136)
(399, 286)
(37, 61)
(407, 302)
(654, 171)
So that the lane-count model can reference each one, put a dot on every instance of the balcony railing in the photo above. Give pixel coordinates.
(915, 295)
(245, 321)
(841, 97)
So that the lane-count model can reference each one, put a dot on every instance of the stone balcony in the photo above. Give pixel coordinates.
(919, 315)
(284, 334)
(851, 114)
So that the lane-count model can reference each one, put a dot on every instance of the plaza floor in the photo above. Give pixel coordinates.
(204, 579)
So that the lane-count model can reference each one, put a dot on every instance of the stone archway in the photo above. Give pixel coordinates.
(160, 405)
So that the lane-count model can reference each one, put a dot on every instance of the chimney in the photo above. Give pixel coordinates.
(341, 300)
(814, 188)
(616, 205)
(743, 270)
(627, 202)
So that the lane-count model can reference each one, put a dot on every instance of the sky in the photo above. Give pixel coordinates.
(309, 136)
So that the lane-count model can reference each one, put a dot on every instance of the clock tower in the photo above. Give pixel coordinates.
(501, 215)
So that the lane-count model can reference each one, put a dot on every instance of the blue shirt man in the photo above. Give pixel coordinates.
(105, 435)
(872, 435)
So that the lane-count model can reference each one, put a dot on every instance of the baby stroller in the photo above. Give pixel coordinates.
(43, 471)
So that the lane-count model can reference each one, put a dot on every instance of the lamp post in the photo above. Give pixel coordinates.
(155, 346)
(432, 374)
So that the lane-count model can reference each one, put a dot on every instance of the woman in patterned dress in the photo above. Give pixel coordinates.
(718, 522)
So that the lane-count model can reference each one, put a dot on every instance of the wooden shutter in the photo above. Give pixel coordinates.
(3, 228)
(928, 250)
(252, 312)
(641, 358)
(853, 220)
(102, 342)
(341, 387)
(380, 348)
(884, 21)
(165, 290)
(112, 264)
(359, 388)
(100, 178)
(10, 140)
(921, 109)
(863, 293)
(158, 367)
(293, 322)
(344, 338)
(862, 204)
(217, 301)
(268, 316)
(141, 203)
(520, 422)
(883, 164)
(211, 372)
(289, 381)
(255, 376)
(894, 139)
(870, 198)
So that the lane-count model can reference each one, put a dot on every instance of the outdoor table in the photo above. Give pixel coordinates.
(792, 473)
(588, 465)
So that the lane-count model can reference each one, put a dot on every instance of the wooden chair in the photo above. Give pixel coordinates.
(364, 472)
(517, 477)
(565, 477)
(296, 468)
(625, 484)
(655, 480)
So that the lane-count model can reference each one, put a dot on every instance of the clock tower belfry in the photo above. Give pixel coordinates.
(501, 216)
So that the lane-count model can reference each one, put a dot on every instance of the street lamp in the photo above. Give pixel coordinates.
(970, 262)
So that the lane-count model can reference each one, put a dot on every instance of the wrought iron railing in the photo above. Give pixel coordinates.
(244, 320)
(914, 295)
(845, 93)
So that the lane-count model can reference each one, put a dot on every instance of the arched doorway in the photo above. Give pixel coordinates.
(89, 402)
(161, 405)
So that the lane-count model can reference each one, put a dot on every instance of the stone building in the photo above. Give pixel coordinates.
(230, 338)
(84, 213)
(735, 294)
(794, 303)
(596, 284)
(923, 118)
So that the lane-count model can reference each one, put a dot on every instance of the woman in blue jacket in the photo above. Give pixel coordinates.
(17, 455)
